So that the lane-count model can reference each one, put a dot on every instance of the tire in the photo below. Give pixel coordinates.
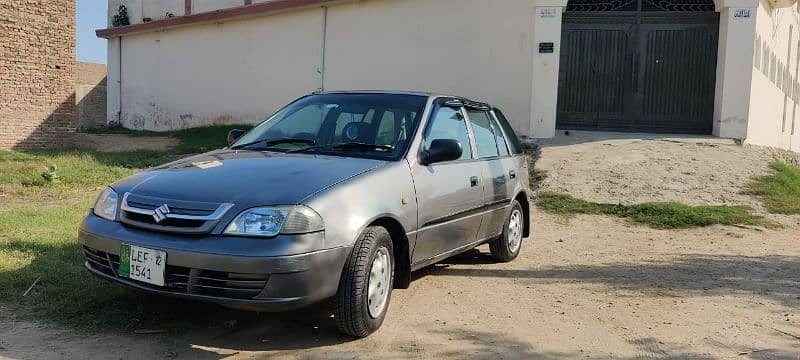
(508, 246)
(353, 311)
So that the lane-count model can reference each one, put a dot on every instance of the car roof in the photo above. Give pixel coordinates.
(400, 92)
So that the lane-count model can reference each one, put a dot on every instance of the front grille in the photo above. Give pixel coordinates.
(135, 218)
(183, 280)
(168, 215)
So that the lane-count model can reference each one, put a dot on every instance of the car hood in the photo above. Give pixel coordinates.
(245, 178)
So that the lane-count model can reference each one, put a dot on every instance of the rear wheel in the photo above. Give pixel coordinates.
(366, 284)
(507, 247)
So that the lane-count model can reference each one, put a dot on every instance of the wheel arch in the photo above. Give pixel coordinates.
(402, 253)
(522, 198)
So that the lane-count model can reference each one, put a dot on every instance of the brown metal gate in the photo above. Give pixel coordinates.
(638, 65)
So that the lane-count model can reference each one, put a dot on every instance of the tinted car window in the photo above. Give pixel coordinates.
(330, 119)
(387, 129)
(502, 144)
(484, 133)
(448, 123)
(350, 116)
(513, 140)
(303, 123)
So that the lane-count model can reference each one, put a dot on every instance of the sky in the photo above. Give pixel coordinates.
(91, 15)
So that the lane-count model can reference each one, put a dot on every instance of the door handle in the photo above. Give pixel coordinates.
(512, 174)
(473, 181)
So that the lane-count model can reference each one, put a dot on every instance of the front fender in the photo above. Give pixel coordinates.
(349, 207)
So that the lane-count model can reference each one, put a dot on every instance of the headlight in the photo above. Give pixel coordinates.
(274, 220)
(106, 205)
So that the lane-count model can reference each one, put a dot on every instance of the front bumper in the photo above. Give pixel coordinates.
(231, 271)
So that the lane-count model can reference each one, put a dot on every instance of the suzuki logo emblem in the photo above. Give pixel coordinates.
(160, 213)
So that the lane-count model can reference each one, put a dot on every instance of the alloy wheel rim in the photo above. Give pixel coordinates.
(515, 231)
(378, 285)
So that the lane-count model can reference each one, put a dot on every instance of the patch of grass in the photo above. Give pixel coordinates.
(655, 215)
(537, 176)
(38, 238)
(75, 168)
(31, 172)
(41, 243)
(194, 140)
(780, 191)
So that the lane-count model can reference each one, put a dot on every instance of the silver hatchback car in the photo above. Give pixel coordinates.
(338, 195)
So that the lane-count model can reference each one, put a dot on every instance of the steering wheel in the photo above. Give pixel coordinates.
(356, 132)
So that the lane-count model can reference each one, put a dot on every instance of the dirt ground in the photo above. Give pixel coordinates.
(121, 142)
(586, 287)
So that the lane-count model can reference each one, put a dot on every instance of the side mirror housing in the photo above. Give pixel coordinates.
(234, 135)
(442, 150)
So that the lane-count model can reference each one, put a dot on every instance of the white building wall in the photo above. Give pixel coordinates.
(464, 47)
(162, 9)
(199, 6)
(774, 118)
(231, 72)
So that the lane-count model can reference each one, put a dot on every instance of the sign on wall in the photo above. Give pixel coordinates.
(742, 13)
(548, 12)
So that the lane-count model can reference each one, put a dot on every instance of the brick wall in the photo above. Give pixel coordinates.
(37, 73)
(90, 95)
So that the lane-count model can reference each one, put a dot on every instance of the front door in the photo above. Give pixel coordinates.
(449, 194)
(638, 65)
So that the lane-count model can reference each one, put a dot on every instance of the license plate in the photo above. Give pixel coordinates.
(142, 264)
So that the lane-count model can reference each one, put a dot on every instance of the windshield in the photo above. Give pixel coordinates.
(361, 125)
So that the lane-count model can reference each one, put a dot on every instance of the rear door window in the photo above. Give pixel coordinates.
(485, 138)
(502, 144)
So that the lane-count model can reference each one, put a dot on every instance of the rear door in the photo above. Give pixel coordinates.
(496, 169)
(449, 194)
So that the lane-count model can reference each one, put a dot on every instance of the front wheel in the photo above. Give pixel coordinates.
(507, 247)
(366, 284)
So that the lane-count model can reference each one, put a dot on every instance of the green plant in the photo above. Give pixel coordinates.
(50, 175)
(780, 191)
(121, 18)
(668, 215)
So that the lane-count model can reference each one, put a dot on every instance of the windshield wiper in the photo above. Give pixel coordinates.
(348, 146)
(273, 142)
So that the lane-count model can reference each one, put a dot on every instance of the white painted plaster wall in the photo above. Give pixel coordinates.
(547, 28)
(157, 10)
(199, 6)
(232, 72)
(734, 61)
(774, 118)
(471, 48)
(113, 81)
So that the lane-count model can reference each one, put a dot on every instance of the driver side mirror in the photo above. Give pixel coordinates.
(234, 135)
(442, 150)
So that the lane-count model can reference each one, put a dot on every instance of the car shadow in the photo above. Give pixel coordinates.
(772, 277)
(304, 329)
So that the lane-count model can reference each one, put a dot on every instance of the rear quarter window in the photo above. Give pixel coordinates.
(513, 140)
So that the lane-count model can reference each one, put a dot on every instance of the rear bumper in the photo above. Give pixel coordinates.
(227, 276)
